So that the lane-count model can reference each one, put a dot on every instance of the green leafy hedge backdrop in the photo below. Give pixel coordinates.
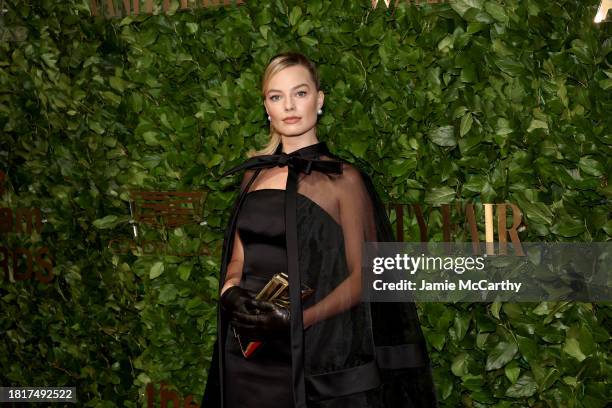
(486, 101)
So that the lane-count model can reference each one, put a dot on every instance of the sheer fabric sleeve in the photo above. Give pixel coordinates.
(354, 213)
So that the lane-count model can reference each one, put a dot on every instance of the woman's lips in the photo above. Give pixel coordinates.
(291, 120)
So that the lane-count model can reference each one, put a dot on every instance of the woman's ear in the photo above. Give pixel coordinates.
(320, 99)
(266, 109)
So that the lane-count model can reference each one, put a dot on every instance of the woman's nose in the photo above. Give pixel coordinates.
(289, 105)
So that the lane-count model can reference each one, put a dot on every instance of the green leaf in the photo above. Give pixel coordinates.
(479, 16)
(156, 270)
(528, 347)
(264, 16)
(96, 127)
(537, 124)
(111, 97)
(309, 41)
(459, 365)
(567, 227)
(143, 378)
(214, 160)
(572, 347)
(481, 339)
(459, 111)
(446, 44)
(304, 27)
(192, 28)
(49, 59)
(150, 138)
(468, 74)
(461, 324)
(106, 222)
(496, 11)
(510, 66)
(445, 385)
(117, 83)
(495, 308)
(167, 294)
(263, 30)
(591, 166)
(219, 126)
(359, 148)
(443, 136)
(213, 283)
(400, 167)
(473, 383)
(462, 6)
(607, 227)
(184, 270)
(605, 84)
(512, 371)
(440, 195)
(437, 340)
(503, 127)
(295, 15)
(524, 387)
(466, 124)
(500, 355)
(572, 381)
(582, 50)
(537, 212)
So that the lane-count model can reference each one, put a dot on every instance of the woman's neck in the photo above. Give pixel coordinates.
(293, 143)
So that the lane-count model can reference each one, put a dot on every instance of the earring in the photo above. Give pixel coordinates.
(320, 111)
(269, 118)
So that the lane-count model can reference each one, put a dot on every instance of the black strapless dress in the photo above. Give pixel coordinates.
(264, 380)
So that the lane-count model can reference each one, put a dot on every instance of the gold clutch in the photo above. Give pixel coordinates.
(276, 291)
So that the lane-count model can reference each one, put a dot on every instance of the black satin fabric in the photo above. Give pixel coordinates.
(264, 380)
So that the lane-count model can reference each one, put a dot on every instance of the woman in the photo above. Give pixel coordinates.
(305, 212)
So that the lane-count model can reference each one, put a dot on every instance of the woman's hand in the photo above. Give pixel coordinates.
(263, 320)
(234, 299)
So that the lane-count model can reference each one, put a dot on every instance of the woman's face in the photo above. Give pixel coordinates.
(292, 101)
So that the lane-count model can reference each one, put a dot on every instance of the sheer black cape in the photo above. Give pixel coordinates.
(357, 354)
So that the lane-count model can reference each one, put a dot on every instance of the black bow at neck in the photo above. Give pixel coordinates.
(302, 160)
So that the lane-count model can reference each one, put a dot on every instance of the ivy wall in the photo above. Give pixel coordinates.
(473, 100)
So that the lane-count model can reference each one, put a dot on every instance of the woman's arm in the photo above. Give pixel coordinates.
(336, 302)
(234, 268)
(357, 221)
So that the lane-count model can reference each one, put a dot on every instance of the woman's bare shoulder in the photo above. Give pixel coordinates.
(351, 175)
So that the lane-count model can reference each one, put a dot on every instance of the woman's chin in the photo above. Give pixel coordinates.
(293, 131)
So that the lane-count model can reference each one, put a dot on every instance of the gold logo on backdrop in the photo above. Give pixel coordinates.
(166, 396)
(413, 2)
(602, 11)
(20, 263)
(160, 210)
(171, 209)
(470, 224)
(122, 8)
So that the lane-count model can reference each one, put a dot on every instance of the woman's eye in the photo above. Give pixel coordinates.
(302, 93)
(273, 97)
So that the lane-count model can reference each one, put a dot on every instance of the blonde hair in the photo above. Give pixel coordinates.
(277, 64)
